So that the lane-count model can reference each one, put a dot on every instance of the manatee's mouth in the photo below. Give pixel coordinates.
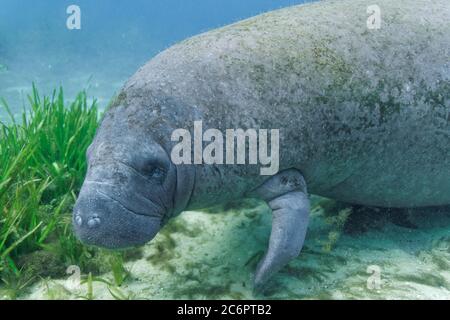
(102, 220)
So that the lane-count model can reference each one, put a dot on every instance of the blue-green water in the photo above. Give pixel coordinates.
(116, 37)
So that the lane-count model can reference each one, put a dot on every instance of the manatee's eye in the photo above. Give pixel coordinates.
(155, 172)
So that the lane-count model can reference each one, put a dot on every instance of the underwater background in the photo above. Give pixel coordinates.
(115, 39)
(350, 252)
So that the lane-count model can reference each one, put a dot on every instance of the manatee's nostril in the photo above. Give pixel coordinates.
(78, 220)
(93, 222)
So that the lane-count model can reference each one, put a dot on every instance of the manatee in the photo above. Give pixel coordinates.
(363, 116)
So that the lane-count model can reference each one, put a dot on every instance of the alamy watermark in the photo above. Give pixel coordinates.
(73, 282)
(374, 280)
(235, 146)
(73, 22)
(374, 19)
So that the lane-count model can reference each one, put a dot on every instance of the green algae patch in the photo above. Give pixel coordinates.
(41, 264)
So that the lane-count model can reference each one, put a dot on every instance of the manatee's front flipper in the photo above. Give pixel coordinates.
(287, 197)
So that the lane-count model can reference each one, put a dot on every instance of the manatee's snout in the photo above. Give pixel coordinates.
(101, 220)
(131, 188)
(127, 195)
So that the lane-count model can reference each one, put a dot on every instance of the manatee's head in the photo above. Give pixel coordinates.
(131, 188)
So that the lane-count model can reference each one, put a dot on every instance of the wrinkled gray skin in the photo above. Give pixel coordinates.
(363, 118)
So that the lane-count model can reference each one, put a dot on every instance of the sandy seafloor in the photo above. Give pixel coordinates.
(213, 256)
